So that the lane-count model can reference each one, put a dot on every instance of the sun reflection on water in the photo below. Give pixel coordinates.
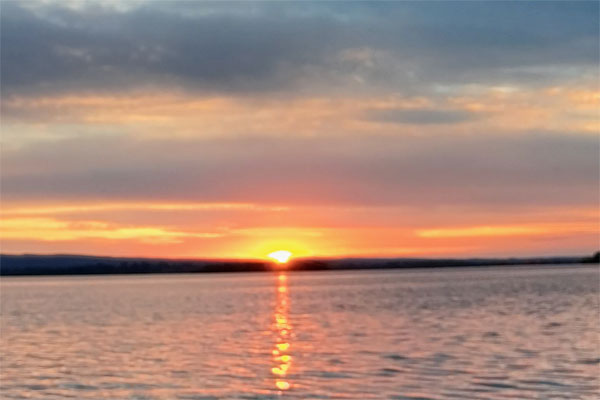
(282, 359)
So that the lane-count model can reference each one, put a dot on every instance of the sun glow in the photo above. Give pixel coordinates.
(280, 256)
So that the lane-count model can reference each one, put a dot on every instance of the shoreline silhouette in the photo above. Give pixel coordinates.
(28, 264)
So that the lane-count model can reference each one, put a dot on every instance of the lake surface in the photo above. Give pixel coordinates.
(456, 333)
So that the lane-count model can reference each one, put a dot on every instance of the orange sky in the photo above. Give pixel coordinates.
(328, 141)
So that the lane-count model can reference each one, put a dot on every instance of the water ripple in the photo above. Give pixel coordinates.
(490, 333)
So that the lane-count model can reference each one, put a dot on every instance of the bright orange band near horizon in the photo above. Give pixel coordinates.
(112, 229)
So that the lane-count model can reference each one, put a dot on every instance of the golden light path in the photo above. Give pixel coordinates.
(282, 328)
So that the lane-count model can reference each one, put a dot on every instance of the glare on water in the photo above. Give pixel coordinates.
(283, 329)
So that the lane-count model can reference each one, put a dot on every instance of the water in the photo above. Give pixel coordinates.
(493, 333)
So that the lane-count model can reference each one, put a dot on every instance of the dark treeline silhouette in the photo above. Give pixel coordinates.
(390, 263)
(595, 259)
(80, 265)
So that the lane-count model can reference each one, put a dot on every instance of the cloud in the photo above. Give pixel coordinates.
(508, 230)
(50, 229)
(364, 122)
(112, 207)
(534, 168)
(421, 116)
(269, 47)
(59, 49)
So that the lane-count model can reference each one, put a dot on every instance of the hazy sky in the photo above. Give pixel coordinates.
(232, 129)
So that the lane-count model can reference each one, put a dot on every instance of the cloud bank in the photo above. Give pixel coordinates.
(366, 128)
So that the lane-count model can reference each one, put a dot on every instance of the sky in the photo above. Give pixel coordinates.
(234, 129)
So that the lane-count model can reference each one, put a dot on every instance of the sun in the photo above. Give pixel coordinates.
(280, 256)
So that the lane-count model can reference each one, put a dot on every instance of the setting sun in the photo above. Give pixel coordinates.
(281, 256)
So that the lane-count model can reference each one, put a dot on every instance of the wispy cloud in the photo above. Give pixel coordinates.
(50, 229)
(106, 207)
(507, 230)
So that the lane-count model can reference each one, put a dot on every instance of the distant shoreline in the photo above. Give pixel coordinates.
(27, 265)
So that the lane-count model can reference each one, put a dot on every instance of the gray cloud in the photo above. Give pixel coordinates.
(530, 169)
(150, 47)
(273, 47)
(421, 116)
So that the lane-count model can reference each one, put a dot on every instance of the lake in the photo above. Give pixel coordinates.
(455, 333)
